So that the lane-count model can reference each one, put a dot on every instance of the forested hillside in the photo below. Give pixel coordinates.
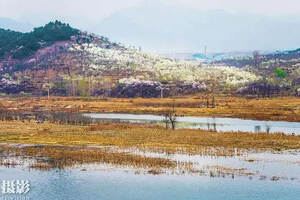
(57, 59)
(20, 45)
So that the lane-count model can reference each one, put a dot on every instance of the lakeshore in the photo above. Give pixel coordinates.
(276, 109)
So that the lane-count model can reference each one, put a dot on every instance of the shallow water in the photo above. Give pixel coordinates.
(264, 165)
(109, 182)
(115, 185)
(207, 123)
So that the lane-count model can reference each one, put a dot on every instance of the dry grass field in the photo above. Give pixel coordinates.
(283, 108)
(60, 146)
(143, 137)
(68, 145)
(49, 157)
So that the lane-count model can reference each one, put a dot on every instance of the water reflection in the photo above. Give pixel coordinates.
(268, 128)
(257, 129)
(208, 123)
(108, 185)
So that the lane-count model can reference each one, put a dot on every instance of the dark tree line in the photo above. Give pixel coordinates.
(20, 45)
(263, 89)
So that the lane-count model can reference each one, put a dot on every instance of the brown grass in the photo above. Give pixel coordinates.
(282, 108)
(142, 137)
(49, 157)
(63, 146)
(8, 163)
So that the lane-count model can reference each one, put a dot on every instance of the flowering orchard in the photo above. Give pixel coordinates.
(147, 66)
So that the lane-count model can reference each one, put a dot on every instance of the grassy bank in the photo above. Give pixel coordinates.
(49, 157)
(285, 108)
(62, 146)
(143, 137)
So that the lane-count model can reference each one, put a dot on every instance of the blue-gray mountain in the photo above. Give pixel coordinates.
(162, 28)
(11, 24)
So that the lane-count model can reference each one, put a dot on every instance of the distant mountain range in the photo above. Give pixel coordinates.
(7, 23)
(210, 57)
(160, 27)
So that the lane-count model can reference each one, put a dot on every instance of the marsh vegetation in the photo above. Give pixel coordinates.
(279, 109)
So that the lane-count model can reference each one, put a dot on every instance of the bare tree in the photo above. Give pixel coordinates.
(84, 62)
(161, 92)
(256, 58)
(170, 116)
(48, 87)
(107, 81)
(166, 120)
(51, 77)
(207, 99)
(211, 91)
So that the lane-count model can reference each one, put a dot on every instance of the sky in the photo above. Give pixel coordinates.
(98, 9)
(102, 17)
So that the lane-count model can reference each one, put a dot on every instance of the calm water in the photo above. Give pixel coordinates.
(108, 182)
(115, 185)
(208, 123)
(285, 165)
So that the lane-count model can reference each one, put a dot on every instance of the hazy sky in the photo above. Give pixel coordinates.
(97, 9)
(87, 14)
